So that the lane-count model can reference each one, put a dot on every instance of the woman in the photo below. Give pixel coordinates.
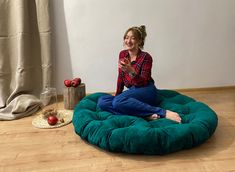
(134, 72)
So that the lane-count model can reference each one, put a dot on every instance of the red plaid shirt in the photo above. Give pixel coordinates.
(142, 66)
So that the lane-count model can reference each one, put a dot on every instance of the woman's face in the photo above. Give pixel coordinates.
(130, 42)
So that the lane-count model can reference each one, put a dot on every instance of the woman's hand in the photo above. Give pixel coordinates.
(125, 65)
(173, 116)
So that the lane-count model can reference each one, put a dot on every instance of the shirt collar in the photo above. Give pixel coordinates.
(138, 54)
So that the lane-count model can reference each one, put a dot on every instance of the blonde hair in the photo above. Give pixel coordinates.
(139, 33)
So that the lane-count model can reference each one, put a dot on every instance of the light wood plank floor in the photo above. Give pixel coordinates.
(25, 148)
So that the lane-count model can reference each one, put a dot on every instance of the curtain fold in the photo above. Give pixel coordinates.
(25, 56)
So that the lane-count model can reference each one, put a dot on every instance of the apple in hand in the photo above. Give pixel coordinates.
(52, 120)
(68, 83)
(126, 60)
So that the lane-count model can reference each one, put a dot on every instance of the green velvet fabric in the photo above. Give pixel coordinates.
(130, 134)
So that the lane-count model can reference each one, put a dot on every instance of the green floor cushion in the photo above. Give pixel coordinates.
(130, 134)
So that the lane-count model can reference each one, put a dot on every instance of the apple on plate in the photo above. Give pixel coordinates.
(52, 120)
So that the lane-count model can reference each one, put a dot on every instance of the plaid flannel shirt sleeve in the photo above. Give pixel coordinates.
(120, 83)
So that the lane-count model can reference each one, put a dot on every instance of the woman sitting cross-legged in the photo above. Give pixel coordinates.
(134, 71)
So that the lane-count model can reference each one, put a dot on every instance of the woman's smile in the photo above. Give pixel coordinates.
(131, 42)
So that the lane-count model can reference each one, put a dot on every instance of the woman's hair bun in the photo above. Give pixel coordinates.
(143, 31)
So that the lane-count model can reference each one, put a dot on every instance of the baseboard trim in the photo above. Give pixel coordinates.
(205, 89)
(60, 96)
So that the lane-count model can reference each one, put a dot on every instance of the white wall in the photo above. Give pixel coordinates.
(192, 42)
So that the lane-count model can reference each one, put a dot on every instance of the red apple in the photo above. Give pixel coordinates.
(68, 83)
(52, 120)
(126, 60)
(74, 83)
(77, 80)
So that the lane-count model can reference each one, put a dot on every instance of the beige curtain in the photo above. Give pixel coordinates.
(25, 56)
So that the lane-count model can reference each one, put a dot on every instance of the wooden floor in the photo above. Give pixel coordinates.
(25, 148)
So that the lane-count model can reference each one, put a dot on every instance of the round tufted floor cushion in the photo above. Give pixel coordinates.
(123, 133)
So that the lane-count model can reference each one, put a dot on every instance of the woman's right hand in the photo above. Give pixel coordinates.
(125, 65)
(121, 64)
(173, 116)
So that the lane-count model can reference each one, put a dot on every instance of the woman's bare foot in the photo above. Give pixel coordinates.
(153, 117)
(173, 116)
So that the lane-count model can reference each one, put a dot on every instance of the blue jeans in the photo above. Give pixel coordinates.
(136, 101)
